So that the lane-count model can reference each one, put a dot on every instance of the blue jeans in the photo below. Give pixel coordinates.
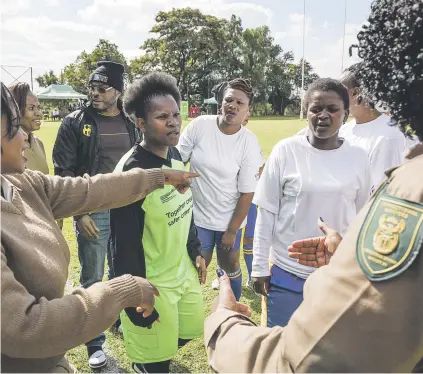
(92, 254)
(284, 297)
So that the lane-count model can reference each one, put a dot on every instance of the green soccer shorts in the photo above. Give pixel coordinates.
(181, 311)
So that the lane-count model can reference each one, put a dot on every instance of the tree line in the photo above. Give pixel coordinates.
(200, 51)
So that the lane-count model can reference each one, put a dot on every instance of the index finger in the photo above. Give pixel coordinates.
(191, 175)
(224, 281)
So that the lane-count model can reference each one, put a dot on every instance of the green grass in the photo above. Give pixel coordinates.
(192, 357)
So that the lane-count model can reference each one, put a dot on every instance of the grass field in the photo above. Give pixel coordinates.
(191, 358)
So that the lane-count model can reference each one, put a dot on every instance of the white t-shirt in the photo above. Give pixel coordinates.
(299, 184)
(228, 164)
(385, 145)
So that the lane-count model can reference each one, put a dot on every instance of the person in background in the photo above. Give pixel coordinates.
(227, 155)
(385, 145)
(305, 178)
(38, 322)
(155, 238)
(31, 116)
(363, 311)
(91, 141)
(55, 114)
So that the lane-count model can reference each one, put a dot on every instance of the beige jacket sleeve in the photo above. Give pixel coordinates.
(346, 323)
(75, 196)
(44, 328)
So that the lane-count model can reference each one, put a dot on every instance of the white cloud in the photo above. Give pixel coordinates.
(297, 25)
(332, 66)
(51, 2)
(139, 15)
(45, 42)
(13, 7)
(280, 35)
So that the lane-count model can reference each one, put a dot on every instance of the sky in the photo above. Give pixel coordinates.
(49, 34)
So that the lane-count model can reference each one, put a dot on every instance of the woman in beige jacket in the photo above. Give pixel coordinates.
(38, 322)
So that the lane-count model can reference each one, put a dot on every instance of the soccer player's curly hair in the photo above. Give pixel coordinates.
(139, 94)
(241, 84)
(391, 46)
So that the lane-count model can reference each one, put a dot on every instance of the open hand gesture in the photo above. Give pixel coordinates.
(316, 252)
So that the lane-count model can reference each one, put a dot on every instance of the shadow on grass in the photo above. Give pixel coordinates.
(177, 367)
(254, 301)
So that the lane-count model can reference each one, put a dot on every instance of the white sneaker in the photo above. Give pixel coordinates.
(97, 359)
(215, 284)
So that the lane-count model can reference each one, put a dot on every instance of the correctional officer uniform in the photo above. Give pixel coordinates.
(361, 313)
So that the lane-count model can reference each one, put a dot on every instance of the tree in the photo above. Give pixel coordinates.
(47, 79)
(309, 77)
(77, 73)
(187, 44)
(309, 74)
(201, 50)
(279, 80)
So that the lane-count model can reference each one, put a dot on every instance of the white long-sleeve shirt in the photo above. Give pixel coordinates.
(299, 184)
(385, 145)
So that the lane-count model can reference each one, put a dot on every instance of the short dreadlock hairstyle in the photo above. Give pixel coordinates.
(241, 84)
(139, 94)
(20, 91)
(10, 109)
(391, 46)
(325, 85)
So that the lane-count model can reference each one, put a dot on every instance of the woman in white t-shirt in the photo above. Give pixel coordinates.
(370, 129)
(306, 177)
(227, 156)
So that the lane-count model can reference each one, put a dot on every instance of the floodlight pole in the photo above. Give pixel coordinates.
(303, 63)
(343, 39)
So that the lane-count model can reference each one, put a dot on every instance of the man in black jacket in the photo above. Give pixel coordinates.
(92, 141)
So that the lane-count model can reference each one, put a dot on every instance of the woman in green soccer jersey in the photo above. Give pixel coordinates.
(156, 237)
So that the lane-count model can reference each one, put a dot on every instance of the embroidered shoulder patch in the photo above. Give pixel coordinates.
(390, 238)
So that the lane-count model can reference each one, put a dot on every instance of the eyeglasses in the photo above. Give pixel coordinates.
(100, 89)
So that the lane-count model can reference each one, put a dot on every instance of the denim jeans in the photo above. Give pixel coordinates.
(92, 254)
